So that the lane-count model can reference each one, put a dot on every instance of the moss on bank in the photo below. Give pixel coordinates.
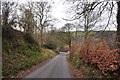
(20, 53)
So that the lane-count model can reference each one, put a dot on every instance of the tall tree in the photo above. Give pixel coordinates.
(66, 34)
(42, 13)
(27, 21)
(8, 14)
(99, 8)
(85, 13)
(118, 24)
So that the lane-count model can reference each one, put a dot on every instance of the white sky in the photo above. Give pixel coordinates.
(59, 12)
(59, 9)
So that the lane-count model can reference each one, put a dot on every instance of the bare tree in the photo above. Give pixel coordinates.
(42, 14)
(27, 21)
(91, 13)
(8, 14)
(66, 34)
(35, 18)
(118, 22)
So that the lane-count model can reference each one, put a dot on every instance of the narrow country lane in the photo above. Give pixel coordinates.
(56, 68)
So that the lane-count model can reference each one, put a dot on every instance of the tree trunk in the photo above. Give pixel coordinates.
(69, 39)
(41, 37)
(5, 18)
(76, 36)
(118, 24)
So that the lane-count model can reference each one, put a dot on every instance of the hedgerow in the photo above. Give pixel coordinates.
(100, 55)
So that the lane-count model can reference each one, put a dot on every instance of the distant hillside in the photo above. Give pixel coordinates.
(108, 35)
(98, 34)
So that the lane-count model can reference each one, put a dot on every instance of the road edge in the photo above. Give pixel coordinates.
(26, 72)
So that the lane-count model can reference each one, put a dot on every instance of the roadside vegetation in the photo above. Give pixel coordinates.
(96, 59)
(96, 54)
(21, 53)
(29, 36)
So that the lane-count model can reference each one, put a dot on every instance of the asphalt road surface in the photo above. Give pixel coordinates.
(56, 68)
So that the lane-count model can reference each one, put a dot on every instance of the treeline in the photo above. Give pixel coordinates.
(32, 18)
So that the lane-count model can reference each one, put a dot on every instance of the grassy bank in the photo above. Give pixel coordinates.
(20, 53)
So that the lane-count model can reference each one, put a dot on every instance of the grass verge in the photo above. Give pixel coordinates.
(88, 70)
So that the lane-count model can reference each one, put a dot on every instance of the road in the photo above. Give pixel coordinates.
(56, 68)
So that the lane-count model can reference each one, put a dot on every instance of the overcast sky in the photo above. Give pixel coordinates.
(59, 9)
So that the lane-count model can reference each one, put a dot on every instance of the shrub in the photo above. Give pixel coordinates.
(28, 38)
(101, 56)
(78, 63)
(50, 46)
(7, 34)
(74, 48)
